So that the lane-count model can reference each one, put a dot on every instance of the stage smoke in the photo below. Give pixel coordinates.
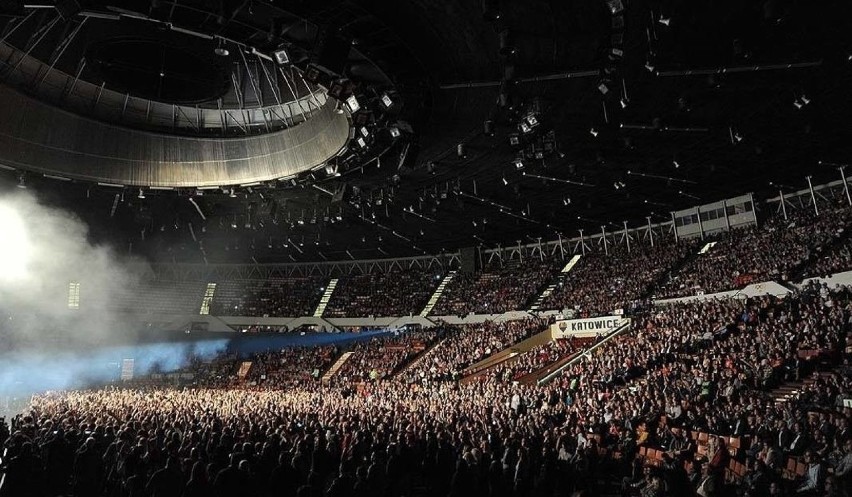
(59, 320)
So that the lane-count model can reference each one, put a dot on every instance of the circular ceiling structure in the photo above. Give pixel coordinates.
(176, 97)
(74, 147)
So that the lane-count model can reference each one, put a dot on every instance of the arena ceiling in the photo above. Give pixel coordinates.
(635, 113)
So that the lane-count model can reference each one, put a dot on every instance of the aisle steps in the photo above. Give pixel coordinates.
(326, 296)
(536, 305)
(336, 366)
(437, 294)
(417, 358)
(791, 389)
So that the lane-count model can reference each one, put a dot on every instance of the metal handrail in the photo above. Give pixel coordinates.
(586, 353)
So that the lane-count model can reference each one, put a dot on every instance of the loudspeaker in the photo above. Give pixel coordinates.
(468, 260)
(339, 194)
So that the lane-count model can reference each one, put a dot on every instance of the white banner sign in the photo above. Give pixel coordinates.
(587, 327)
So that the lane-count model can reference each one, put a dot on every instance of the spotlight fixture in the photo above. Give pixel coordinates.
(649, 66)
(805, 100)
(676, 165)
(281, 56)
(22, 182)
(331, 170)
(141, 194)
(665, 21)
(736, 137)
(593, 132)
(798, 104)
(566, 201)
(352, 104)
(488, 127)
(221, 50)
(460, 151)
(615, 6)
(232, 193)
(624, 103)
(505, 181)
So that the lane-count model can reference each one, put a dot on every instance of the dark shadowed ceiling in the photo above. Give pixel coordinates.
(704, 100)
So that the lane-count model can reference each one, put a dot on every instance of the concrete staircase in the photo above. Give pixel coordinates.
(588, 352)
(326, 296)
(544, 371)
(510, 353)
(207, 299)
(536, 305)
(421, 357)
(336, 367)
(792, 389)
(417, 358)
(437, 294)
(245, 368)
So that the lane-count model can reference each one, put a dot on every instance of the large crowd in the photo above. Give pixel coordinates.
(381, 357)
(395, 293)
(291, 366)
(500, 287)
(531, 361)
(684, 402)
(273, 297)
(779, 250)
(466, 345)
(678, 405)
(601, 282)
(783, 247)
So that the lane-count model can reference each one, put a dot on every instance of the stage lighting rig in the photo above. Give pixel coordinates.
(352, 104)
(281, 56)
